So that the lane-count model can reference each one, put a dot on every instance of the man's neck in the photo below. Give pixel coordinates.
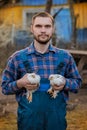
(41, 48)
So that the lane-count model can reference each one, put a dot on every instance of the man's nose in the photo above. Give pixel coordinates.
(43, 29)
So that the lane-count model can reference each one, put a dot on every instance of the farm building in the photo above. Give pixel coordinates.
(18, 13)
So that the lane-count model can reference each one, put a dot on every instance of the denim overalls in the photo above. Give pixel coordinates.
(44, 112)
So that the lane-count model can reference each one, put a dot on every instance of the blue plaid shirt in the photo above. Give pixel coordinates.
(42, 64)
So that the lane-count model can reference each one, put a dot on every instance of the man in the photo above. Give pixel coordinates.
(44, 112)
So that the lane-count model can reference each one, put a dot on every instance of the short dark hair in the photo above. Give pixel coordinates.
(43, 14)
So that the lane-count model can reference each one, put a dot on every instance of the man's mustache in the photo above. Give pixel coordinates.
(43, 35)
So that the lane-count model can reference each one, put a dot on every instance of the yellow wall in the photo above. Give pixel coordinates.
(14, 15)
(11, 15)
(81, 9)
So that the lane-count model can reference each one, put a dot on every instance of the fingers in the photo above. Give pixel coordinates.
(55, 87)
(31, 86)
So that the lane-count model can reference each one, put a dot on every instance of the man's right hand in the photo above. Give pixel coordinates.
(24, 83)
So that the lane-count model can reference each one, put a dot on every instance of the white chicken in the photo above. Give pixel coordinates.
(55, 79)
(33, 79)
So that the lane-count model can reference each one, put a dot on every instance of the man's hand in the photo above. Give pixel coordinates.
(24, 82)
(58, 88)
(57, 82)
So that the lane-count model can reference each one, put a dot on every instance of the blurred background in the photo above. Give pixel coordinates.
(70, 33)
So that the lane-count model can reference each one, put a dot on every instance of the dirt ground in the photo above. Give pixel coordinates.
(77, 118)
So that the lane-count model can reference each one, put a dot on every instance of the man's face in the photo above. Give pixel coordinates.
(42, 29)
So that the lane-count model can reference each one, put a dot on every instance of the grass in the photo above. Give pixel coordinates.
(8, 122)
(77, 119)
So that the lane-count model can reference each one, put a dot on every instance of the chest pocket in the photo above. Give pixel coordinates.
(25, 62)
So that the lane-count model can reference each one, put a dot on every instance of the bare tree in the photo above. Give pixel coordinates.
(49, 6)
(73, 24)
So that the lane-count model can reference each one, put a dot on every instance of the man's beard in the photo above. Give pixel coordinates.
(44, 42)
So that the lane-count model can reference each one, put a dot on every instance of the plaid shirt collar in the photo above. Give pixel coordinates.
(31, 49)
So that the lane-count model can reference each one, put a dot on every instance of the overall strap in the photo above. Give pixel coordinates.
(60, 61)
(25, 62)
